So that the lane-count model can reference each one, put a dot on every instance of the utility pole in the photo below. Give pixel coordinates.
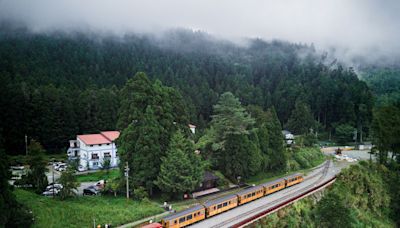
(53, 177)
(127, 180)
(26, 145)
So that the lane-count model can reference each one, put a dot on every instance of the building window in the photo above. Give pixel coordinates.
(91, 145)
(95, 163)
(107, 155)
(99, 144)
(116, 154)
(108, 144)
(95, 156)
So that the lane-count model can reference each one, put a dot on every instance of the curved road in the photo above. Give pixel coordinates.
(241, 213)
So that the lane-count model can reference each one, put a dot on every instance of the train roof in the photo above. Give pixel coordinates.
(184, 212)
(219, 200)
(273, 182)
(251, 189)
(293, 175)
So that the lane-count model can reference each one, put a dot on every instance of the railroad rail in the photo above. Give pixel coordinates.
(288, 199)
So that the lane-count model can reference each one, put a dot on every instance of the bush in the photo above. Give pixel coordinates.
(140, 193)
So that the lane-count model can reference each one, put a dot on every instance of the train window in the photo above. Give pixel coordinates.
(253, 194)
(198, 213)
(225, 204)
(229, 202)
(176, 221)
(182, 220)
(195, 214)
(189, 217)
(215, 207)
(219, 206)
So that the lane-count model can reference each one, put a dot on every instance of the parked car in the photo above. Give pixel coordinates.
(100, 184)
(91, 190)
(56, 186)
(51, 192)
(62, 168)
(81, 168)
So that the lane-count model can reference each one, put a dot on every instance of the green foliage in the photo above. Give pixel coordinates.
(140, 194)
(80, 211)
(332, 212)
(84, 95)
(100, 175)
(344, 133)
(37, 173)
(304, 158)
(386, 131)
(69, 183)
(301, 119)
(276, 154)
(150, 113)
(181, 169)
(12, 213)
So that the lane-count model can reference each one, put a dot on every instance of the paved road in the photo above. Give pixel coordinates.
(240, 213)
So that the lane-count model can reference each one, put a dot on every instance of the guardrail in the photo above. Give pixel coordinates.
(283, 204)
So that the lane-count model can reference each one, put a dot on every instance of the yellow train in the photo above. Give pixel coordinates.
(222, 204)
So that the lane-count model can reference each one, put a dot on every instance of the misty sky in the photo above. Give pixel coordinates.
(357, 27)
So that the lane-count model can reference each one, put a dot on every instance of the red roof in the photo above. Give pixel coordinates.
(102, 138)
(111, 135)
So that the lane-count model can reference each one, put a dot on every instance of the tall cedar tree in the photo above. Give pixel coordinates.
(232, 126)
(301, 119)
(181, 169)
(37, 174)
(276, 154)
(148, 116)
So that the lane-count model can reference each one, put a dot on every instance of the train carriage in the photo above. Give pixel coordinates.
(219, 205)
(293, 179)
(274, 186)
(250, 194)
(185, 217)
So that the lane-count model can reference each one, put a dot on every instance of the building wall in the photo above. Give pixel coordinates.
(86, 152)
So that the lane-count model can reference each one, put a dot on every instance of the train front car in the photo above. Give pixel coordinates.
(294, 179)
(274, 186)
(250, 194)
(219, 205)
(185, 217)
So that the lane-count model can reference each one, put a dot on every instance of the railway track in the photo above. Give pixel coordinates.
(287, 197)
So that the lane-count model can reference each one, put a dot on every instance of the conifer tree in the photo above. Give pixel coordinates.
(301, 119)
(276, 153)
(181, 169)
(37, 174)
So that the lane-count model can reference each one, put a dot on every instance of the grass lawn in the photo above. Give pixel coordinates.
(80, 211)
(100, 175)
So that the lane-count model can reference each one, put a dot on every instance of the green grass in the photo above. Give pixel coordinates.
(80, 211)
(100, 175)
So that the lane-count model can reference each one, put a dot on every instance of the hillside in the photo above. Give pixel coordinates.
(58, 84)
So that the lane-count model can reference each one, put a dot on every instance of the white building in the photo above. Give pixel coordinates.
(92, 150)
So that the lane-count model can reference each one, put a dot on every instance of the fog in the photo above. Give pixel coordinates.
(367, 28)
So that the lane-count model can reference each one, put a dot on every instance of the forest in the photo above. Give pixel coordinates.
(56, 85)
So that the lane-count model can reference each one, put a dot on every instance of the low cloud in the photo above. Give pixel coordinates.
(366, 28)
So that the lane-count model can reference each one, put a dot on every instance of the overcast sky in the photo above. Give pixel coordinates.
(357, 27)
